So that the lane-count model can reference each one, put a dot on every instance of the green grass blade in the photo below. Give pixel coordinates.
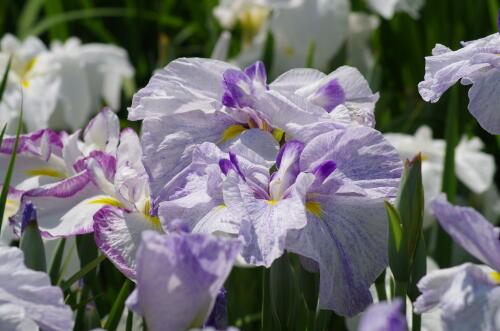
(28, 16)
(2, 134)
(10, 169)
(55, 264)
(3, 84)
(444, 243)
(57, 31)
(75, 15)
(82, 272)
(118, 306)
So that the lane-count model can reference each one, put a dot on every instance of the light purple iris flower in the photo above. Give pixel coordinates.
(324, 202)
(179, 277)
(383, 316)
(27, 300)
(467, 295)
(195, 100)
(476, 63)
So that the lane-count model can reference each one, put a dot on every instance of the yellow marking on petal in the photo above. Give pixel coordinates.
(45, 172)
(107, 201)
(496, 276)
(272, 202)
(423, 157)
(30, 65)
(25, 83)
(314, 208)
(155, 220)
(231, 132)
(12, 202)
(220, 208)
(278, 134)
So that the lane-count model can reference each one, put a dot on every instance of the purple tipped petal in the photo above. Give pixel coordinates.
(287, 163)
(238, 88)
(179, 278)
(384, 316)
(469, 229)
(28, 214)
(257, 73)
(225, 165)
(323, 170)
(329, 95)
(291, 150)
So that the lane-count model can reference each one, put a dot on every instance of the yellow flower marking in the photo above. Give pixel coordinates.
(26, 69)
(45, 172)
(155, 220)
(496, 276)
(272, 202)
(107, 201)
(278, 134)
(314, 208)
(231, 132)
(220, 208)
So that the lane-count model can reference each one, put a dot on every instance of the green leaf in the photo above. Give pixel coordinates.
(57, 31)
(32, 246)
(118, 306)
(82, 272)
(310, 55)
(419, 269)
(55, 264)
(2, 134)
(5, 76)
(410, 203)
(444, 243)
(396, 249)
(10, 169)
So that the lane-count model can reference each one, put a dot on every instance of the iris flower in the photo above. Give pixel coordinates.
(467, 295)
(324, 202)
(476, 63)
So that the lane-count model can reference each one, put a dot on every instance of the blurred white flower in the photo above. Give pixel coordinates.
(359, 52)
(387, 8)
(474, 168)
(32, 81)
(60, 87)
(318, 24)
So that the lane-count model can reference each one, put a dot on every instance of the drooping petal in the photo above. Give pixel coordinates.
(347, 237)
(384, 316)
(467, 297)
(30, 293)
(178, 278)
(470, 230)
(103, 131)
(484, 97)
(118, 234)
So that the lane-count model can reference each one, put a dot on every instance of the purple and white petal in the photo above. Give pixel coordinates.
(102, 132)
(347, 237)
(179, 277)
(265, 223)
(66, 208)
(468, 298)
(362, 157)
(118, 235)
(470, 230)
(30, 295)
(384, 316)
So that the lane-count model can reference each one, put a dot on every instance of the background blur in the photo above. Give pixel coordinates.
(154, 32)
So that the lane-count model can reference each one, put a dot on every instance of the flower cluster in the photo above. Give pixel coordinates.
(62, 86)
